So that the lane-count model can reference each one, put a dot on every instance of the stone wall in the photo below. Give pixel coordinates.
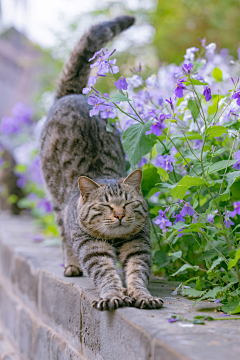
(45, 316)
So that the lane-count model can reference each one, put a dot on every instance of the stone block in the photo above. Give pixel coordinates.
(6, 255)
(42, 341)
(60, 305)
(6, 350)
(8, 313)
(25, 334)
(24, 277)
(109, 335)
(61, 350)
(163, 352)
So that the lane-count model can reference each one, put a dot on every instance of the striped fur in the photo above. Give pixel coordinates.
(108, 218)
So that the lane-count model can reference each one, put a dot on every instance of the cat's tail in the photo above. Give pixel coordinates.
(75, 74)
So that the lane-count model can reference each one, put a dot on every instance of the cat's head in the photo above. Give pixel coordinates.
(112, 211)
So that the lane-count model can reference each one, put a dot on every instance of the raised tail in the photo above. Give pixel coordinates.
(75, 73)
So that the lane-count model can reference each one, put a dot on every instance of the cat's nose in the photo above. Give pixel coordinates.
(119, 215)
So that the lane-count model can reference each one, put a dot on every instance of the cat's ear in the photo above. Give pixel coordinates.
(86, 185)
(134, 179)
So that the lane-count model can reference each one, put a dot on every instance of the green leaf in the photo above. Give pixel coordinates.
(232, 308)
(223, 197)
(199, 285)
(217, 74)
(193, 293)
(195, 203)
(232, 177)
(205, 317)
(210, 294)
(192, 137)
(163, 174)
(219, 166)
(194, 109)
(176, 255)
(109, 128)
(195, 82)
(185, 267)
(150, 178)
(136, 143)
(215, 131)
(219, 152)
(161, 259)
(184, 184)
(12, 199)
(215, 263)
(118, 97)
(179, 225)
(233, 262)
(20, 169)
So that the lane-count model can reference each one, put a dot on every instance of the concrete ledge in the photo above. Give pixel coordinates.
(47, 316)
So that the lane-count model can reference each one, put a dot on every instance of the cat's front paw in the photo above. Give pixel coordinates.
(72, 270)
(112, 302)
(147, 302)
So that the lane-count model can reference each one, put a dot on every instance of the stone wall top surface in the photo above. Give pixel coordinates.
(59, 310)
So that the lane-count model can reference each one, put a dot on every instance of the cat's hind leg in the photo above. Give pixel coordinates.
(71, 262)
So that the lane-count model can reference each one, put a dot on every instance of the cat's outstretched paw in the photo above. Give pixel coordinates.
(111, 303)
(147, 302)
(72, 270)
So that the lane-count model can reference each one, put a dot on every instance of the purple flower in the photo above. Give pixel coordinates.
(164, 162)
(210, 218)
(236, 166)
(210, 49)
(227, 220)
(157, 126)
(217, 301)
(187, 210)
(38, 238)
(142, 162)
(179, 88)
(121, 84)
(151, 81)
(97, 53)
(163, 223)
(170, 103)
(190, 53)
(222, 269)
(236, 206)
(203, 42)
(180, 234)
(108, 112)
(237, 96)
(172, 319)
(179, 218)
(45, 205)
(207, 93)
(97, 103)
(187, 68)
(162, 220)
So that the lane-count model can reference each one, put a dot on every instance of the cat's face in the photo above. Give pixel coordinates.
(112, 211)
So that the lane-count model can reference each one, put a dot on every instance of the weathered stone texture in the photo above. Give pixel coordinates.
(49, 317)
(60, 305)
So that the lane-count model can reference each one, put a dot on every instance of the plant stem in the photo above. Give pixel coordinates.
(180, 152)
(226, 166)
(126, 113)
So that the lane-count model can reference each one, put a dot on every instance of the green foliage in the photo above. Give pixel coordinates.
(179, 24)
(136, 144)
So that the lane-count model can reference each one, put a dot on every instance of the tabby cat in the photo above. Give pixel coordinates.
(108, 218)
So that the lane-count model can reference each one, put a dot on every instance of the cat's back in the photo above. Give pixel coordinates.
(74, 144)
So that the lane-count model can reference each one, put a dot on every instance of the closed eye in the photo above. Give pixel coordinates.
(106, 206)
